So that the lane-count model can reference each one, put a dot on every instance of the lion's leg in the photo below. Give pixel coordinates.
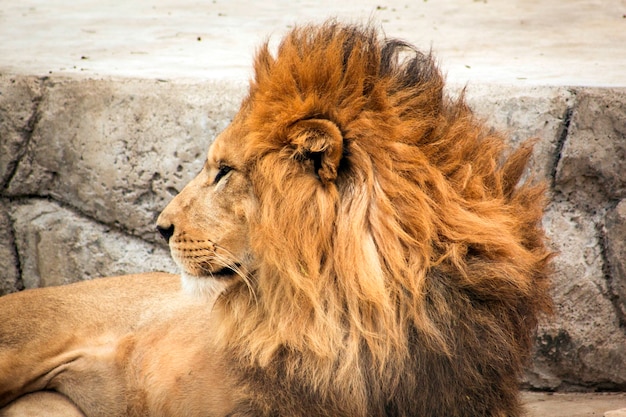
(66, 338)
(42, 403)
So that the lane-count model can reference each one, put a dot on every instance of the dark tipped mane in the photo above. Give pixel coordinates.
(408, 281)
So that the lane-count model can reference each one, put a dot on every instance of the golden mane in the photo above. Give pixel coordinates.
(394, 251)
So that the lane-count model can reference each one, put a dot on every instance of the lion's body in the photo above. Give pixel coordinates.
(370, 248)
(131, 345)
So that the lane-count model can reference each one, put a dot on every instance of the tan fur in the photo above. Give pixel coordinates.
(132, 345)
(370, 250)
(42, 403)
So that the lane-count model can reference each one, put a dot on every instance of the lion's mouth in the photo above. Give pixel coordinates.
(226, 272)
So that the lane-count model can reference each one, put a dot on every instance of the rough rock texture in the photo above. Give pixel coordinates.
(523, 113)
(615, 242)
(584, 344)
(592, 167)
(19, 98)
(57, 247)
(9, 264)
(87, 165)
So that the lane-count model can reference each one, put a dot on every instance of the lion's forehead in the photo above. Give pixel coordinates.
(229, 146)
(221, 152)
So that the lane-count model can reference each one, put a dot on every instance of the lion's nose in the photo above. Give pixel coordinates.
(166, 231)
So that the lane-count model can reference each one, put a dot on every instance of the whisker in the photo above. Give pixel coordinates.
(229, 261)
(205, 260)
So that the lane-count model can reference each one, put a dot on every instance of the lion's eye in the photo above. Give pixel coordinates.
(224, 169)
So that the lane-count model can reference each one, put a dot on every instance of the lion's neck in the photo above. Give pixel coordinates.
(204, 288)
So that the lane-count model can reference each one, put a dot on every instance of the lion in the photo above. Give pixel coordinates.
(357, 243)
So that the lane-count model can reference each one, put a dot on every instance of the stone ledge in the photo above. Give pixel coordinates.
(574, 42)
(574, 404)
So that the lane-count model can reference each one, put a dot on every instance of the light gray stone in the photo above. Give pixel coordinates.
(582, 344)
(592, 168)
(56, 246)
(118, 151)
(526, 113)
(9, 273)
(19, 98)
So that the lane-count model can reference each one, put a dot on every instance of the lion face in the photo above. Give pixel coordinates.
(206, 224)
(231, 217)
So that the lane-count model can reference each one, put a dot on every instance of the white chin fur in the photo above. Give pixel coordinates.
(202, 287)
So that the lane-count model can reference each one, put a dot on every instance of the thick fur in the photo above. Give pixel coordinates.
(400, 270)
(370, 248)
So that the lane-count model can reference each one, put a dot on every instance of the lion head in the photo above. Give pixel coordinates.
(371, 248)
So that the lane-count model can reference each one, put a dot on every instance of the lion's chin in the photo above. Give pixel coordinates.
(203, 287)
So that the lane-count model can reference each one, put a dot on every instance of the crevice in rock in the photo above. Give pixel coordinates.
(12, 244)
(114, 227)
(561, 139)
(608, 276)
(27, 134)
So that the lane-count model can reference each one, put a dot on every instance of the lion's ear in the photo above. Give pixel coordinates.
(321, 142)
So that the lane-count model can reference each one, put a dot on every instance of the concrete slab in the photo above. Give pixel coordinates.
(574, 404)
(525, 42)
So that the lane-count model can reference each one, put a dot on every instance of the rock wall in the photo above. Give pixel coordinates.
(86, 166)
